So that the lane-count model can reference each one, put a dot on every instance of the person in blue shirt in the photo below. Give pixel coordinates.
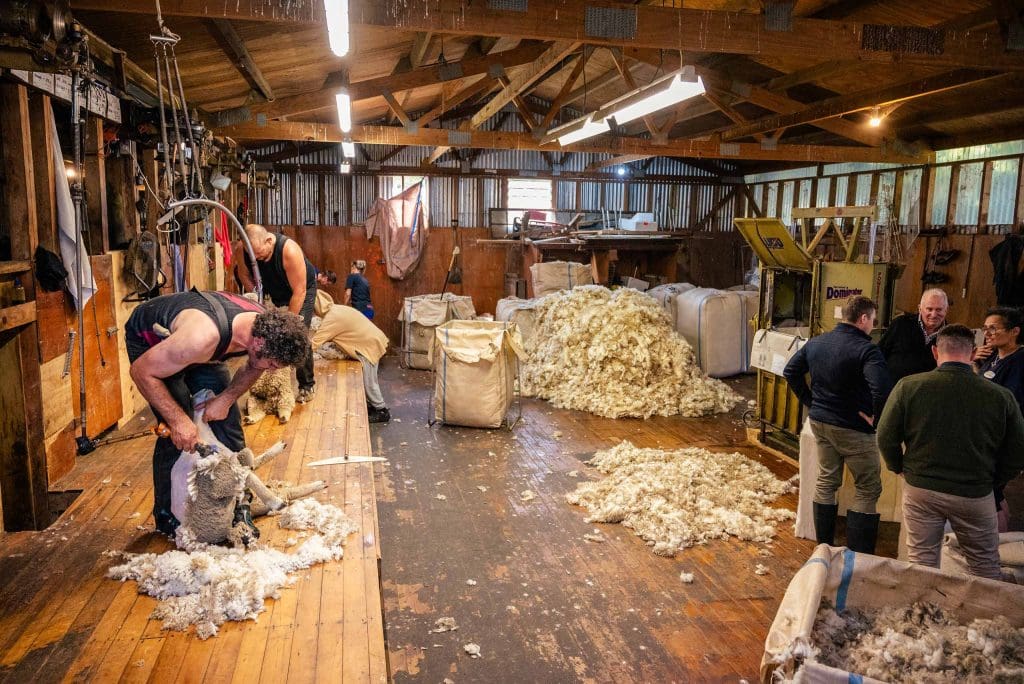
(357, 289)
(849, 385)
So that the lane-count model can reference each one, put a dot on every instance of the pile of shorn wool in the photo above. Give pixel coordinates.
(918, 643)
(675, 499)
(209, 585)
(615, 354)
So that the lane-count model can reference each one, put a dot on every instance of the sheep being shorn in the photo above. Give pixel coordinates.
(206, 488)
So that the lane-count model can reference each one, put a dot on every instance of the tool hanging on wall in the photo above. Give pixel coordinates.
(456, 268)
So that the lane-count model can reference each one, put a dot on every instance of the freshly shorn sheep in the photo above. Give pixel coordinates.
(206, 488)
(271, 394)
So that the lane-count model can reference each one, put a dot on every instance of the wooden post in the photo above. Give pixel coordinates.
(20, 190)
(41, 123)
(295, 199)
(1018, 211)
(897, 197)
(954, 195)
(480, 202)
(23, 480)
(851, 190)
(832, 191)
(321, 200)
(348, 187)
(97, 238)
(927, 196)
(986, 194)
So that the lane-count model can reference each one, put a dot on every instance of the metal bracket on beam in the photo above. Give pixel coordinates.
(509, 5)
(612, 23)
(459, 137)
(769, 143)
(729, 149)
(412, 128)
(778, 16)
(449, 72)
(496, 71)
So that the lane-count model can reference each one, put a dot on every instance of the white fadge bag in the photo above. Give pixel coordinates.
(475, 365)
(718, 326)
(855, 580)
(420, 315)
(666, 296)
(552, 276)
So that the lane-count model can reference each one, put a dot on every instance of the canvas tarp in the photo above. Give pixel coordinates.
(552, 276)
(522, 312)
(476, 366)
(401, 222)
(420, 315)
(855, 580)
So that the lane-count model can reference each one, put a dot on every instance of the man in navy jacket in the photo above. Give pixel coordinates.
(849, 385)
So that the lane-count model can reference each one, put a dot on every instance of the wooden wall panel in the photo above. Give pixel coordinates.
(58, 401)
(717, 259)
(61, 451)
(131, 399)
(52, 317)
(335, 248)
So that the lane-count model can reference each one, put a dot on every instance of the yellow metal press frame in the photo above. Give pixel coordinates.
(830, 214)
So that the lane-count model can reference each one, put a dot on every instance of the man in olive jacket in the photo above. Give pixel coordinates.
(954, 436)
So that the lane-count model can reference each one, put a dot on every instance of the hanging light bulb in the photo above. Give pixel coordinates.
(344, 102)
(876, 118)
(336, 12)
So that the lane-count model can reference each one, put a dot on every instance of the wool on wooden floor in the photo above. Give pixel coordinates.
(60, 618)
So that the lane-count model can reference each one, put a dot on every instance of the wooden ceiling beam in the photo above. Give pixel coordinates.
(627, 77)
(854, 102)
(478, 87)
(395, 83)
(396, 108)
(563, 93)
(505, 140)
(420, 45)
(291, 12)
(523, 79)
(617, 161)
(234, 47)
(695, 30)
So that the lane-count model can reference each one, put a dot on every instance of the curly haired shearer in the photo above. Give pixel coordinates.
(284, 335)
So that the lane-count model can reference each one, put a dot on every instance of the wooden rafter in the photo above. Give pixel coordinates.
(692, 30)
(617, 161)
(846, 104)
(396, 108)
(526, 77)
(711, 96)
(478, 87)
(563, 94)
(323, 98)
(505, 140)
(420, 45)
(234, 47)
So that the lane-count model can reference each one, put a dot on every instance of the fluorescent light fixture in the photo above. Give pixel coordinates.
(336, 13)
(574, 131)
(348, 149)
(621, 170)
(665, 92)
(344, 102)
(346, 167)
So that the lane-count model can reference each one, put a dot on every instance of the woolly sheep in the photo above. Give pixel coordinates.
(271, 394)
(205, 489)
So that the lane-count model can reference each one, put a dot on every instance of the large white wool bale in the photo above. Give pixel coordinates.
(552, 276)
(666, 295)
(717, 325)
(421, 314)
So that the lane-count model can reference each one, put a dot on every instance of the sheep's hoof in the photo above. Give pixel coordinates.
(283, 419)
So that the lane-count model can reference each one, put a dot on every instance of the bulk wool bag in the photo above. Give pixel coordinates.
(666, 297)
(522, 312)
(854, 580)
(420, 315)
(717, 324)
(475, 366)
(552, 276)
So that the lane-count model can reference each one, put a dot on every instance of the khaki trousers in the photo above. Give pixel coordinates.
(925, 513)
(859, 451)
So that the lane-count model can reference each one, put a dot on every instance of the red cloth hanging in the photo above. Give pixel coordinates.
(221, 235)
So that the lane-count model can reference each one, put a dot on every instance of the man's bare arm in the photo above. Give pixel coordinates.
(219, 406)
(295, 269)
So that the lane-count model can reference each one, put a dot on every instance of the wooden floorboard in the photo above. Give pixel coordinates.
(547, 605)
(62, 619)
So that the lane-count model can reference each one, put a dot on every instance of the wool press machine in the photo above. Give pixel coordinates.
(805, 280)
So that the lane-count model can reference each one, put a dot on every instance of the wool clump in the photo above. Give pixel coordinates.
(917, 643)
(209, 585)
(676, 499)
(615, 354)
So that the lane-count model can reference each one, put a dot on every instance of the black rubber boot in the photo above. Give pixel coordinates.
(825, 522)
(243, 514)
(862, 531)
(163, 461)
(379, 415)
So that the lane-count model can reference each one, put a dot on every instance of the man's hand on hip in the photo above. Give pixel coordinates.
(867, 419)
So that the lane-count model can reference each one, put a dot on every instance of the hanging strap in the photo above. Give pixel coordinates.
(221, 317)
